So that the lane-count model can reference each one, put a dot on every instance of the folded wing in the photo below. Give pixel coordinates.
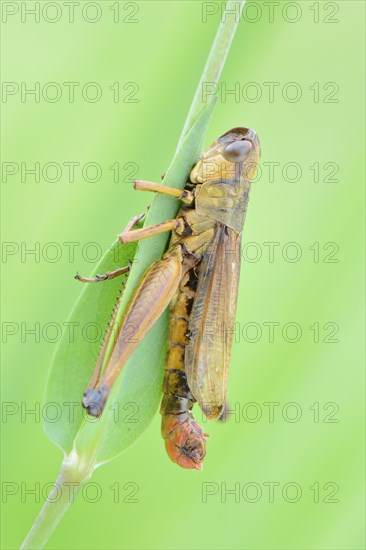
(211, 324)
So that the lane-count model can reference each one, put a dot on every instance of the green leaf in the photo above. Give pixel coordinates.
(136, 397)
(75, 355)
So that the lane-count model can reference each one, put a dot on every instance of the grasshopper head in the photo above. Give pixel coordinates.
(240, 147)
(232, 156)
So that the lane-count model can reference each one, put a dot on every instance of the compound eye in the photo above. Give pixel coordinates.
(237, 151)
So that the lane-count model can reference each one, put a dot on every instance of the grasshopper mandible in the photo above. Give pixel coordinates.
(198, 276)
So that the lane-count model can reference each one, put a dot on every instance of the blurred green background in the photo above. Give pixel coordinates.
(313, 441)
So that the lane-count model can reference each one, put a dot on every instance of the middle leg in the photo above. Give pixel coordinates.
(185, 196)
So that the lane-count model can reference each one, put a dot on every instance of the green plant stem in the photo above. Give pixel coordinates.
(72, 476)
(74, 470)
(215, 61)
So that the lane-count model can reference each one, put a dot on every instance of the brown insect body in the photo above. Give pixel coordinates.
(221, 191)
(198, 276)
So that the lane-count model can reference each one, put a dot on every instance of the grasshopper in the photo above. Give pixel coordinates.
(198, 276)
